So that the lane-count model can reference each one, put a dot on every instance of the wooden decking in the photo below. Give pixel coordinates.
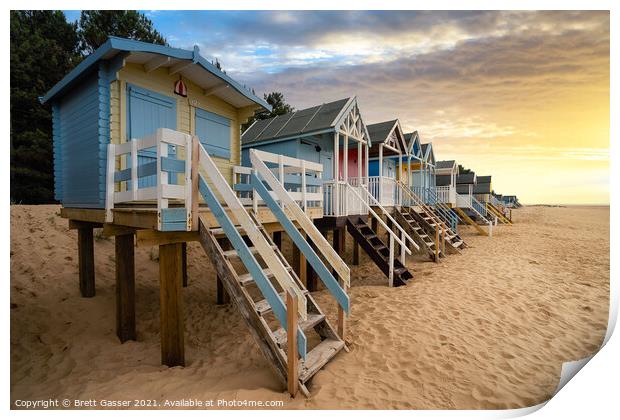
(139, 217)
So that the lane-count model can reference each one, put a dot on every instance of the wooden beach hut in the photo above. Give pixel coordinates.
(145, 139)
(446, 173)
(385, 166)
(470, 210)
(483, 192)
(335, 135)
(417, 214)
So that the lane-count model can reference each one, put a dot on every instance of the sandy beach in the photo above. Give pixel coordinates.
(489, 328)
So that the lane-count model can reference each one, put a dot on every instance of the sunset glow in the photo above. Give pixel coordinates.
(522, 96)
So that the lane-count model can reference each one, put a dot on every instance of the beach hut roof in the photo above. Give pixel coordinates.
(187, 63)
(446, 164)
(318, 119)
(387, 131)
(414, 147)
(428, 154)
(469, 178)
(483, 179)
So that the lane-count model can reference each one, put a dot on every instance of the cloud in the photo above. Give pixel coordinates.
(527, 89)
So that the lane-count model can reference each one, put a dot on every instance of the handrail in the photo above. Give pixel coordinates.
(391, 219)
(306, 224)
(263, 247)
(419, 202)
(442, 210)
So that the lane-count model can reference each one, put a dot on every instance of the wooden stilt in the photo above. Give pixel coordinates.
(277, 239)
(125, 288)
(86, 261)
(374, 224)
(311, 276)
(295, 263)
(338, 243)
(291, 322)
(184, 257)
(171, 305)
(221, 295)
(356, 253)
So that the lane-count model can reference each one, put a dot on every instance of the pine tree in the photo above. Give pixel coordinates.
(43, 50)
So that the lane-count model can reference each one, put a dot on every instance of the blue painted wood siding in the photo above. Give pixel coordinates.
(146, 112)
(214, 133)
(77, 149)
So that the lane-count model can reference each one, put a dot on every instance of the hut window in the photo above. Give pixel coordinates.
(214, 133)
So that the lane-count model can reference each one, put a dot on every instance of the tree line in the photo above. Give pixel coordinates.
(45, 46)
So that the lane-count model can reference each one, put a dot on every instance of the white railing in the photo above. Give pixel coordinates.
(340, 199)
(385, 187)
(301, 179)
(446, 194)
(463, 201)
(123, 184)
(243, 218)
(287, 201)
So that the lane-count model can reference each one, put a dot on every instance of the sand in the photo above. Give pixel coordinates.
(489, 328)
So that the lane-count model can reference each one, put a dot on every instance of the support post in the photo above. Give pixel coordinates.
(86, 261)
(277, 239)
(374, 224)
(437, 227)
(184, 259)
(311, 276)
(195, 181)
(221, 295)
(171, 305)
(291, 322)
(125, 287)
(356, 253)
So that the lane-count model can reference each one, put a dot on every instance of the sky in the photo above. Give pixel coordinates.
(522, 96)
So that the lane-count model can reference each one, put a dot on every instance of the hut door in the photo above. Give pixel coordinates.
(146, 112)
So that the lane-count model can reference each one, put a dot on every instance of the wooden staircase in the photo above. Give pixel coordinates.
(241, 287)
(470, 221)
(259, 281)
(376, 249)
(426, 219)
(412, 227)
(496, 212)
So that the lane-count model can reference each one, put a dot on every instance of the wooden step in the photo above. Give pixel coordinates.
(457, 244)
(312, 321)
(246, 279)
(318, 357)
(233, 252)
(263, 307)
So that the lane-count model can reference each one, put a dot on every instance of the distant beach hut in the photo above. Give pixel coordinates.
(385, 166)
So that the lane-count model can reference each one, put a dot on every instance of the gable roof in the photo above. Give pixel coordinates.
(314, 120)
(445, 164)
(483, 179)
(469, 178)
(427, 153)
(381, 132)
(412, 139)
(188, 63)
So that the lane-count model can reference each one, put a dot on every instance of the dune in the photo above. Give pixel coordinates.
(486, 329)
